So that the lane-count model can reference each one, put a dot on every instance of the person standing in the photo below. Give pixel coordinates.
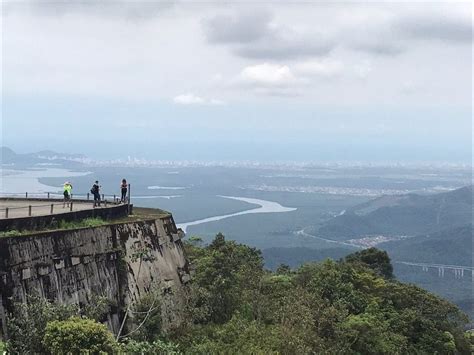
(95, 190)
(123, 190)
(67, 193)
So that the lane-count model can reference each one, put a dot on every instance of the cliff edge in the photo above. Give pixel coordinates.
(122, 260)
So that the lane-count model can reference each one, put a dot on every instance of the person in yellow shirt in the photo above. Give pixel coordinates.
(67, 193)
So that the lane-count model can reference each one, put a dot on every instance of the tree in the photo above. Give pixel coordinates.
(377, 260)
(147, 318)
(353, 306)
(77, 336)
(27, 325)
(226, 271)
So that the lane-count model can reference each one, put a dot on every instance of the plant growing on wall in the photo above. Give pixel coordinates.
(141, 253)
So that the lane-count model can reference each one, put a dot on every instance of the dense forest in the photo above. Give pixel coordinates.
(234, 305)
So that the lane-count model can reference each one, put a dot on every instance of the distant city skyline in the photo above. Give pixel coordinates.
(239, 82)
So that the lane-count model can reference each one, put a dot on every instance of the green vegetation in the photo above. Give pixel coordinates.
(375, 259)
(10, 233)
(156, 347)
(61, 225)
(27, 325)
(77, 336)
(351, 306)
(138, 215)
(234, 305)
(84, 223)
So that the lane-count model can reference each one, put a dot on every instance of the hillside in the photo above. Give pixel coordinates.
(45, 157)
(410, 215)
(451, 246)
(234, 306)
(353, 306)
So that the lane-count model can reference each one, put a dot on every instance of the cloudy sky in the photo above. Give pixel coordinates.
(233, 80)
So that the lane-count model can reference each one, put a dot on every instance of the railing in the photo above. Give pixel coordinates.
(7, 210)
(56, 195)
(52, 208)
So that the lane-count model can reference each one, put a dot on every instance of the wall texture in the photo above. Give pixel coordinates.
(120, 261)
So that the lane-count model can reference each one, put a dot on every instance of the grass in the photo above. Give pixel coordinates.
(62, 225)
(10, 233)
(88, 222)
(138, 215)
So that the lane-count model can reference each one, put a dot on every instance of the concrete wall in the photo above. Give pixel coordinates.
(70, 266)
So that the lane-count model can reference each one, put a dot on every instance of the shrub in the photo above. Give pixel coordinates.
(146, 348)
(78, 335)
(26, 326)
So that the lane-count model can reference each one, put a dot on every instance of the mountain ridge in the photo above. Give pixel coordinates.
(410, 215)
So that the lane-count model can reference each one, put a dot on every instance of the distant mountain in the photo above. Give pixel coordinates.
(409, 214)
(7, 155)
(452, 246)
(45, 157)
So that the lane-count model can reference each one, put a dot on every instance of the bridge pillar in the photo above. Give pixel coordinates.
(441, 271)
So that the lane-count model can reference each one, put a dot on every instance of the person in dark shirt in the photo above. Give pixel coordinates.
(95, 190)
(123, 190)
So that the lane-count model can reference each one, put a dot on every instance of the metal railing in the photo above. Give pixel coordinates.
(58, 196)
(7, 212)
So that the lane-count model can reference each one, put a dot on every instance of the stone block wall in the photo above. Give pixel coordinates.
(71, 266)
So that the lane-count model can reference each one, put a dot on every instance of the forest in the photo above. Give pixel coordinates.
(234, 305)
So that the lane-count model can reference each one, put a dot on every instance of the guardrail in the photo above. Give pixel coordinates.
(59, 201)
(56, 195)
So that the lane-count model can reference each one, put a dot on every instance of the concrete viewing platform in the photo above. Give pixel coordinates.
(21, 207)
(34, 213)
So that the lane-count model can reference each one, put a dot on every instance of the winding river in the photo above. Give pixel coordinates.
(263, 206)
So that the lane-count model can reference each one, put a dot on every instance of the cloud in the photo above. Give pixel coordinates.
(191, 99)
(268, 75)
(375, 30)
(443, 27)
(237, 29)
(286, 43)
(129, 9)
(270, 80)
(394, 33)
(362, 70)
(258, 36)
(320, 68)
(377, 47)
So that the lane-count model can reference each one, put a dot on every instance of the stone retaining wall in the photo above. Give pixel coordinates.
(71, 266)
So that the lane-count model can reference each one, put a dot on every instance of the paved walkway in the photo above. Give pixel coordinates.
(20, 208)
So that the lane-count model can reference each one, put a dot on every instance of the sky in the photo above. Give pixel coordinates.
(239, 80)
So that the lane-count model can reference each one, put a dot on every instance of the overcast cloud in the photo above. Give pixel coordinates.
(215, 61)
